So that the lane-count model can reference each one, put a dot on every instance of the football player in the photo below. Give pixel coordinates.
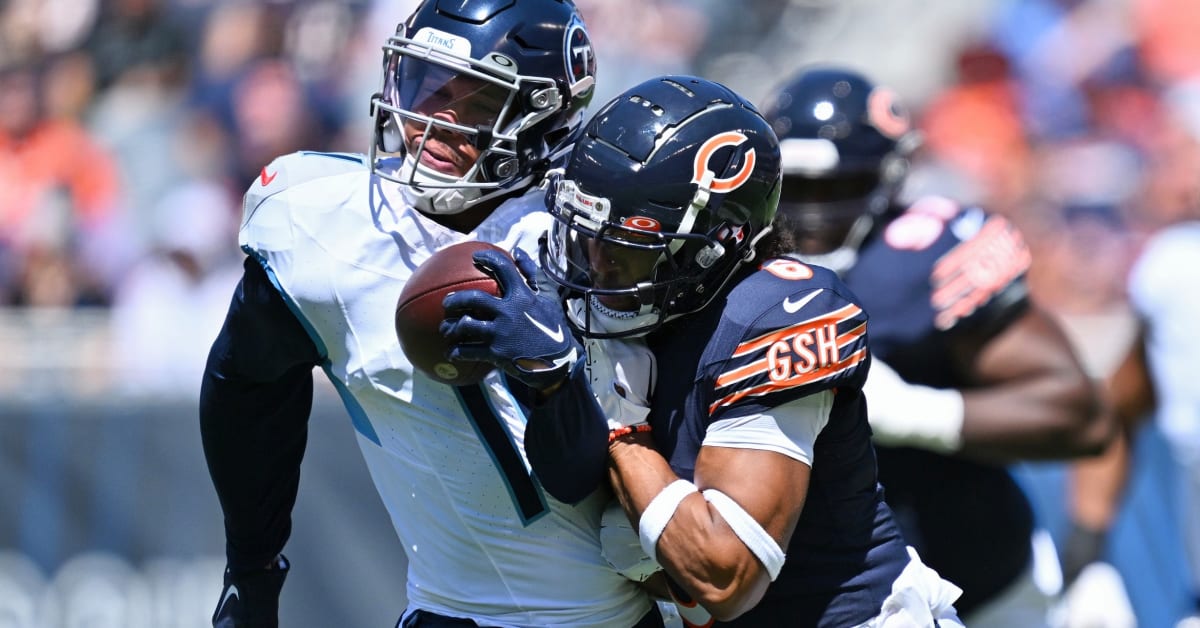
(479, 98)
(748, 472)
(968, 373)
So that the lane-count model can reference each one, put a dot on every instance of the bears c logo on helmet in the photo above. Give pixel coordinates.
(705, 154)
(886, 114)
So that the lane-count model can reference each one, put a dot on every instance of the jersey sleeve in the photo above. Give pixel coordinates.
(255, 400)
(566, 438)
(267, 223)
(807, 337)
(979, 285)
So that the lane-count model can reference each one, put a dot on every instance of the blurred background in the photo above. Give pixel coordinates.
(130, 128)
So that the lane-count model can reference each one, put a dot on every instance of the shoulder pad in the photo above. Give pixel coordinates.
(260, 226)
(922, 224)
(293, 169)
(990, 261)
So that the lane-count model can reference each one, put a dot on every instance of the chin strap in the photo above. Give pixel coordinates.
(436, 197)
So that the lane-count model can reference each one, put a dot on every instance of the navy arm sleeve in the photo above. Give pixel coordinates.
(254, 405)
(566, 439)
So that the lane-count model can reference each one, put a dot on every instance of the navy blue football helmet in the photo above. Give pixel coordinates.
(664, 197)
(504, 82)
(845, 144)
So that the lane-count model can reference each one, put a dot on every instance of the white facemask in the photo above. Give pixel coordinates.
(435, 200)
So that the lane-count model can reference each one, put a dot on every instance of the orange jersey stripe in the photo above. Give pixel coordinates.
(972, 273)
(850, 362)
(848, 312)
(760, 366)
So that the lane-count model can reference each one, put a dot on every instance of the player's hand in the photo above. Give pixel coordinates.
(523, 332)
(622, 373)
(904, 414)
(250, 598)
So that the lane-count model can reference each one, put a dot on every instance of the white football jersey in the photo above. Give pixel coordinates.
(483, 540)
(1162, 288)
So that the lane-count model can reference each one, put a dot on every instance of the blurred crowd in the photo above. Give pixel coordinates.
(130, 128)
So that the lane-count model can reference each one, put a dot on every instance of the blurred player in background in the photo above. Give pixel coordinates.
(479, 99)
(1157, 379)
(743, 429)
(968, 374)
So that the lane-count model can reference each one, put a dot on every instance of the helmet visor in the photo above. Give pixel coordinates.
(432, 90)
(589, 252)
(847, 186)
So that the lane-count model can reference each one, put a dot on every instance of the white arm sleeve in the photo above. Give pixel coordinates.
(789, 429)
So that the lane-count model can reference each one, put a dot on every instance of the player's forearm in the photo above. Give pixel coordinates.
(1097, 486)
(254, 437)
(565, 439)
(694, 545)
(1038, 417)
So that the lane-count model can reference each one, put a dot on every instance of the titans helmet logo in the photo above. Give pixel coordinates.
(578, 54)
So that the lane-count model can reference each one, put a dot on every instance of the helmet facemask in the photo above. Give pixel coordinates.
(449, 127)
(622, 274)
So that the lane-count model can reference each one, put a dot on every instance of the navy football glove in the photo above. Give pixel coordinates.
(523, 332)
(250, 598)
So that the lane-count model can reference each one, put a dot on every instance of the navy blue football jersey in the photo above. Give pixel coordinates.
(929, 277)
(786, 331)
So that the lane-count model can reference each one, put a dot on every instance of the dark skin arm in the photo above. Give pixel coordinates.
(698, 549)
(1030, 398)
(1098, 484)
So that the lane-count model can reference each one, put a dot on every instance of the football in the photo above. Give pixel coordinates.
(419, 311)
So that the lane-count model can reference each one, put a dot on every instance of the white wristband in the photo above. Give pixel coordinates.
(904, 414)
(659, 511)
(761, 544)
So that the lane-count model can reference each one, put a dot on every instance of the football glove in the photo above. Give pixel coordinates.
(523, 332)
(250, 598)
(1083, 546)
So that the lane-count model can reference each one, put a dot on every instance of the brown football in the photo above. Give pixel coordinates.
(419, 311)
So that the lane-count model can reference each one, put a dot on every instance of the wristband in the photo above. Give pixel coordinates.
(628, 429)
(752, 534)
(659, 511)
(913, 415)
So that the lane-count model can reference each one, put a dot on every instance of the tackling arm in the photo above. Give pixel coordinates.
(698, 545)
